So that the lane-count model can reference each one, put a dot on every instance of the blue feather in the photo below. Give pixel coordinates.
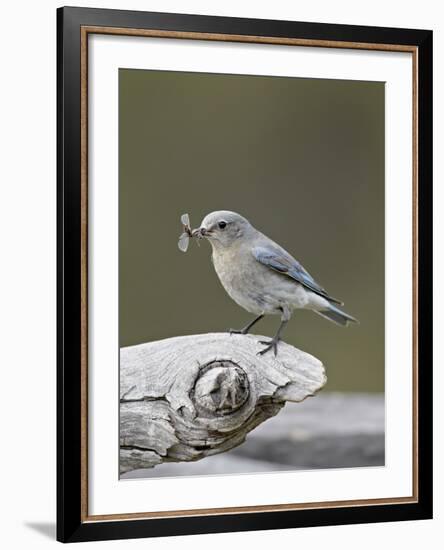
(337, 316)
(276, 258)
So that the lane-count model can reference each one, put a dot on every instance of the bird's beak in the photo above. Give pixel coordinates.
(200, 233)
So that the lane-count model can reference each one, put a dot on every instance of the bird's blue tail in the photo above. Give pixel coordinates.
(337, 316)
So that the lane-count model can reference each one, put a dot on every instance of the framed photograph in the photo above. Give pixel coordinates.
(280, 373)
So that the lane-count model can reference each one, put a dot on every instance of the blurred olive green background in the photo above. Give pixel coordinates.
(302, 159)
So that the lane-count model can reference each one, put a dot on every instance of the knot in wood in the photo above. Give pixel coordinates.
(222, 388)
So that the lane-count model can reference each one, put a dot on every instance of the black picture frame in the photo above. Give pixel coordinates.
(72, 524)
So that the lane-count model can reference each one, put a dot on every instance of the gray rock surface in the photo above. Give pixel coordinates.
(331, 430)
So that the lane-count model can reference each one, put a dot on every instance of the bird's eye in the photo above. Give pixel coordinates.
(222, 225)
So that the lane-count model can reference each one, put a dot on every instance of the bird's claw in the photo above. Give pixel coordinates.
(234, 331)
(269, 344)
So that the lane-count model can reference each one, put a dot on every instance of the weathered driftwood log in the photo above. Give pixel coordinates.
(185, 398)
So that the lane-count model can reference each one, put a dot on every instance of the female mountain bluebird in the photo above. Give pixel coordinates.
(261, 276)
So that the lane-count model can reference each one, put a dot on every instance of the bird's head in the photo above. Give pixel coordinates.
(223, 228)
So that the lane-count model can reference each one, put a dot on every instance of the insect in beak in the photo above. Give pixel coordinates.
(188, 233)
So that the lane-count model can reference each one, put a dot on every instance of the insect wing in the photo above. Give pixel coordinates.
(184, 239)
(185, 219)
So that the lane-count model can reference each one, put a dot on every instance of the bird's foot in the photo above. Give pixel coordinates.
(234, 331)
(269, 344)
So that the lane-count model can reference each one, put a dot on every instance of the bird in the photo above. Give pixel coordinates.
(262, 277)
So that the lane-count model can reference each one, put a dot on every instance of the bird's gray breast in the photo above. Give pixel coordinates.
(245, 280)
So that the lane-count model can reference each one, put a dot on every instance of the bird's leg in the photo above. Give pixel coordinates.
(246, 329)
(272, 344)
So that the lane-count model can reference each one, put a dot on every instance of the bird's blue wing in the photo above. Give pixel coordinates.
(279, 260)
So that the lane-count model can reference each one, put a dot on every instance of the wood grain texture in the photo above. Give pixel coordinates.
(249, 39)
(185, 398)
